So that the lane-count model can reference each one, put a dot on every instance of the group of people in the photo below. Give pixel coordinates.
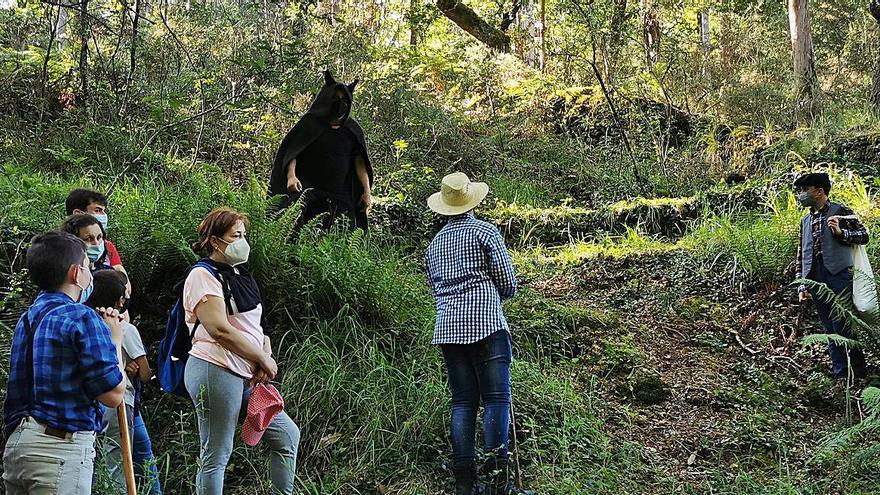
(76, 356)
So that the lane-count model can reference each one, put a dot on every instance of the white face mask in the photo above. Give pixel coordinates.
(237, 251)
(102, 219)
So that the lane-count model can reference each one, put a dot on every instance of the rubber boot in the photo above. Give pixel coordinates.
(465, 479)
(497, 473)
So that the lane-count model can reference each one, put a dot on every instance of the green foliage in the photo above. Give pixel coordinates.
(548, 329)
(855, 449)
(761, 245)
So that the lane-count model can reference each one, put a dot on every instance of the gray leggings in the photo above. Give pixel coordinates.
(221, 399)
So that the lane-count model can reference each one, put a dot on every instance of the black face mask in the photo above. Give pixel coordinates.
(341, 109)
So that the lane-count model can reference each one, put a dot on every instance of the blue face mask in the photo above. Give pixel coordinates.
(95, 251)
(87, 290)
(102, 219)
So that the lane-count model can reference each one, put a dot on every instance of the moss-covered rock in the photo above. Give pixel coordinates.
(647, 388)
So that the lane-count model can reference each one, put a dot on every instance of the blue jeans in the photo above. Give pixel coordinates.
(834, 325)
(479, 371)
(142, 455)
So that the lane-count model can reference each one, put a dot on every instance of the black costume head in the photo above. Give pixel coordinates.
(333, 102)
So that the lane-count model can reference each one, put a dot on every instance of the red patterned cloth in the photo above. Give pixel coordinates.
(265, 403)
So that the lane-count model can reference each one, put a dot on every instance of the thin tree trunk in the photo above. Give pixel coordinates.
(134, 41)
(704, 31)
(874, 8)
(84, 32)
(617, 38)
(543, 35)
(725, 41)
(413, 24)
(650, 32)
(61, 26)
(44, 76)
(806, 83)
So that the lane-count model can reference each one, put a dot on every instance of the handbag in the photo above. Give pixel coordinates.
(864, 285)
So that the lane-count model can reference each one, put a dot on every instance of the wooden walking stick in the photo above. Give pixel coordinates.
(127, 463)
(514, 444)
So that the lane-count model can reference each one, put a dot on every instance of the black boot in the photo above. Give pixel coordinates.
(465, 479)
(497, 473)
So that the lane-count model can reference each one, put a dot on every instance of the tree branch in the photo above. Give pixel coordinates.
(474, 25)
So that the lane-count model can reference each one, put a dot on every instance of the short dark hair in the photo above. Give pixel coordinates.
(80, 199)
(819, 180)
(109, 286)
(77, 221)
(50, 256)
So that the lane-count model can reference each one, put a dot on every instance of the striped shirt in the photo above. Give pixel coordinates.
(470, 273)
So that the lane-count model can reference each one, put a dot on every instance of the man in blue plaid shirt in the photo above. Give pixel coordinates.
(65, 363)
(470, 274)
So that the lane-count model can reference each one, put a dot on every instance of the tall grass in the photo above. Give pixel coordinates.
(761, 245)
(351, 319)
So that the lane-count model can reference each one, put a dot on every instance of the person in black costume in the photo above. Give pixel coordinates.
(323, 160)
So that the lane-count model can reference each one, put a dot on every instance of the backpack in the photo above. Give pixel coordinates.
(175, 345)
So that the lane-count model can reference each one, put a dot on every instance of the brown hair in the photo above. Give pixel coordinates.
(216, 224)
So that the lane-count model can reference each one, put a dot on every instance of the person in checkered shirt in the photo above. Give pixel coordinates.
(470, 273)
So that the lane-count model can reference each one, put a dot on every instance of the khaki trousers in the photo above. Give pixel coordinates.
(39, 464)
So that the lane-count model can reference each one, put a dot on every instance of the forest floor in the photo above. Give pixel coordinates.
(707, 378)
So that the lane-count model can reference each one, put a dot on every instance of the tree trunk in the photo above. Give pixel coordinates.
(543, 35)
(874, 8)
(650, 32)
(413, 24)
(134, 42)
(61, 26)
(528, 34)
(704, 31)
(84, 34)
(474, 25)
(725, 41)
(617, 38)
(806, 84)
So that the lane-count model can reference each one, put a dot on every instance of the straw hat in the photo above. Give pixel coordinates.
(457, 195)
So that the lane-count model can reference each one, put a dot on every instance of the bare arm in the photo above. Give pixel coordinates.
(293, 184)
(144, 371)
(113, 398)
(360, 167)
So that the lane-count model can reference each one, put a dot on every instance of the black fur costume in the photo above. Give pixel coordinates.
(325, 158)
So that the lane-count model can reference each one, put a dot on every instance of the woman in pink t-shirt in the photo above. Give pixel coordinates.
(230, 354)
